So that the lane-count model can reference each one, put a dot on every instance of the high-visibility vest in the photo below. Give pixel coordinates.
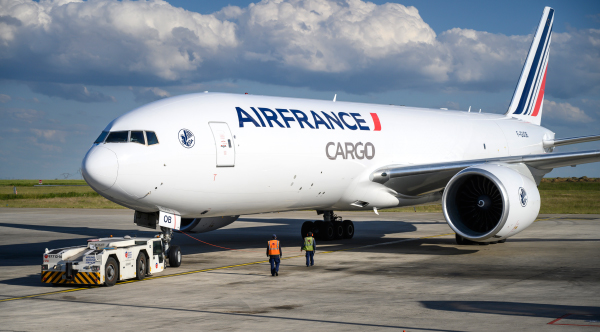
(309, 243)
(274, 248)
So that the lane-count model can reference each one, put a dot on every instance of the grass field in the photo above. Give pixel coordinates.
(560, 195)
(71, 194)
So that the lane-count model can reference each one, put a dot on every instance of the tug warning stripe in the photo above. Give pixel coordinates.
(81, 278)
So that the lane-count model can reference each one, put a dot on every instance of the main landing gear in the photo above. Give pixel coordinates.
(173, 253)
(332, 227)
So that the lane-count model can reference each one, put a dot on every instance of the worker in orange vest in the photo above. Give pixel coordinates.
(274, 253)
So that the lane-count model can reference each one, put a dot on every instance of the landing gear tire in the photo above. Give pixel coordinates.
(174, 256)
(338, 229)
(502, 241)
(327, 232)
(111, 272)
(306, 227)
(318, 229)
(348, 227)
(140, 266)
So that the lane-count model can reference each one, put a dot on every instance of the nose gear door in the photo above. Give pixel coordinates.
(223, 143)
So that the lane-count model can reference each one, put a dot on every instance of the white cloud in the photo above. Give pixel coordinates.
(76, 92)
(148, 94)
(4, 98)
(112, 38)
(50, 134)
(564, 112)
(21, 114)
(346, 45)
(328, 36)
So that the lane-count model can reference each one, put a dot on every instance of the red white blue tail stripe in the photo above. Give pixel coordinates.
(528, 98)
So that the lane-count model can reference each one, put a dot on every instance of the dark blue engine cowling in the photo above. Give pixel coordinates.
(202, 225)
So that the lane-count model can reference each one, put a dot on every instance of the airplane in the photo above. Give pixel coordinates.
(196, 162)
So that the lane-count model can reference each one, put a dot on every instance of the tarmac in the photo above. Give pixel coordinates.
(401, 271)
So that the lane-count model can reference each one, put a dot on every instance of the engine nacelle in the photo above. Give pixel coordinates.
(202, 225)
(491, 202)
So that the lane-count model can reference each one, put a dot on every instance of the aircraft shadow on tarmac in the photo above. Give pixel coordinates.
(287, 230)
(366, 233)
(551, 311)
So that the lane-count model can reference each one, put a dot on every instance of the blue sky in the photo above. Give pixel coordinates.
(68, 68)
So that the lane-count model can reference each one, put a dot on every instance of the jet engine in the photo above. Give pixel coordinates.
(202, 225)
(491, 202)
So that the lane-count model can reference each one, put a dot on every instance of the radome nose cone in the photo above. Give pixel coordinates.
(100, 168)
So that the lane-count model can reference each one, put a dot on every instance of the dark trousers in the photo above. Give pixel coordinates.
(310, 258)
(274, 260)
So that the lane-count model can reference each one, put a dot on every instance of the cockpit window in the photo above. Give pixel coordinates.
(117, 137)
(137, 137)
(101, 138)
(151, 138)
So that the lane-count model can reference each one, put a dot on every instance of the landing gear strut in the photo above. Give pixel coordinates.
(173, 253)
(331, 227)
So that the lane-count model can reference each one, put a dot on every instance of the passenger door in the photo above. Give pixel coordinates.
(223, 143)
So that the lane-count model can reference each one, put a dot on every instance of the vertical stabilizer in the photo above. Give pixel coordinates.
(528, 98)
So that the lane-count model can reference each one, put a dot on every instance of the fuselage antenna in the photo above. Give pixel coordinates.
(334, 97)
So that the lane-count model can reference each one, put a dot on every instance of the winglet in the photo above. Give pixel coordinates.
(528, 98)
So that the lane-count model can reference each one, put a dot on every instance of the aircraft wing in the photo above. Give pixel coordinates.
(417, 180)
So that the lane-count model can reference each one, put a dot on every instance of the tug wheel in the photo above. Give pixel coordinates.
(111, 272)
(140, 266)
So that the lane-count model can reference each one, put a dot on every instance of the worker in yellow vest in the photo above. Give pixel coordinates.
(274, 253)
(310, 246)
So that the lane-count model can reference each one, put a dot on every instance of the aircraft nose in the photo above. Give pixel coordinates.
(100, 168)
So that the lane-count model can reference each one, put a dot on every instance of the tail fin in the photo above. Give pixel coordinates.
(528, 98)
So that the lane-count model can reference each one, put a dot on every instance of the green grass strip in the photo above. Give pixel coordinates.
(50, 195)
(31, 183)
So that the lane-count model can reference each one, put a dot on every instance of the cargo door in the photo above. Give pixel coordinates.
(223, 143)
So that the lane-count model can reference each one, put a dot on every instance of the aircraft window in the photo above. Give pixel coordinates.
(152, 139)
(101, 138)
(117, 137)
(137, 137)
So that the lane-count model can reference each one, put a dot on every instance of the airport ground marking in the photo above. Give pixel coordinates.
(221, 268)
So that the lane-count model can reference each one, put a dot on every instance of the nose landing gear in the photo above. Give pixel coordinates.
(330, 228)
(173, 253)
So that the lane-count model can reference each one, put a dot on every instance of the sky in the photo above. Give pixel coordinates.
(68, 68)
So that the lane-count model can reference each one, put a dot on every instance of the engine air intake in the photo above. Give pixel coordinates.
(479, 204)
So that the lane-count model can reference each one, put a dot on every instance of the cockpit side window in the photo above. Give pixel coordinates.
(137, 137)
(101, 138)
(152, 139)
(117, 137)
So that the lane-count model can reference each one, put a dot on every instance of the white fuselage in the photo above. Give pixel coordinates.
(280, 169)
